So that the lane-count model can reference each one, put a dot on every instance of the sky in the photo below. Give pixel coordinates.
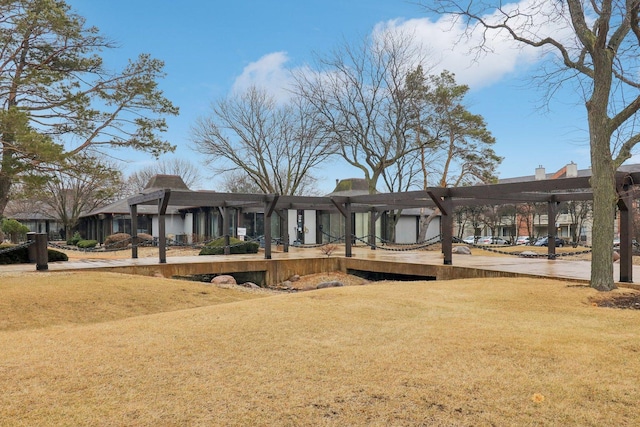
(211, 47)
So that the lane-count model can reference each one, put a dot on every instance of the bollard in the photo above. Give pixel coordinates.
(31, 237)
(42, 254)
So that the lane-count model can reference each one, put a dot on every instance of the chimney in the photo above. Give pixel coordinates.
(572, 170)
(540, 173)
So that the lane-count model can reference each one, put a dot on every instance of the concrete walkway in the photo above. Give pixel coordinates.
(559, 269)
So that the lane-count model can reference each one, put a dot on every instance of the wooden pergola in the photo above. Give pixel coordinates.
(550, 191)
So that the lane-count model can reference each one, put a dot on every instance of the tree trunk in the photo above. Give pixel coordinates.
(5, 186)
(604, 198)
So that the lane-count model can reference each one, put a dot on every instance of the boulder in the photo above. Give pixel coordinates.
(294, 278)
(332, 284)
(616, 256)
(461, 250)
(224, 280)
(250, 285)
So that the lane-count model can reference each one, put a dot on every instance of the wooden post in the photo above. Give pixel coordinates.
(625, 206)
(162, 233)
(225, 229)
(348, 228)
(446, 232)
(552, 205)
(373, 217)
(284, 229)
(134, 231)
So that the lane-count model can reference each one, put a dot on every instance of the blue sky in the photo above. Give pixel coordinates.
(212, 46)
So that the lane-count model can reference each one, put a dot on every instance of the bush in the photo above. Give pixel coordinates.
(85, 244)
(21, 256)
(145, 239)
(216, 247)
(14, 229)
(73, 241)
(57, 255)
(117, 241)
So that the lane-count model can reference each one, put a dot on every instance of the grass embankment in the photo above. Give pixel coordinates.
(465, 352)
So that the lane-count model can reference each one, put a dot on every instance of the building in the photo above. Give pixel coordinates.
(573, 220)
(201, 222)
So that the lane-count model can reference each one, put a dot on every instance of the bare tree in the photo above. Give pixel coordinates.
(238, 182)
(81, 186)
(579, 212)
(276, 146)
(598, 45)
(360, 94)
(185, 169)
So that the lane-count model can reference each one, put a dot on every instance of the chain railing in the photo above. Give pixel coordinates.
(403, 247)
(497, 249)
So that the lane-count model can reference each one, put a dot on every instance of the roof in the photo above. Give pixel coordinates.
(173, 182)
(558, 174)
(350, 187)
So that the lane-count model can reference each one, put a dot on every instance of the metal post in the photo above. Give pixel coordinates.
(31, 237)
(42, 254)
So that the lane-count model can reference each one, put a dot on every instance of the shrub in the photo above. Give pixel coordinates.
(85, 244)
(57, 255)
(73, 241)
(21, 256)
(216, 247)
(145, 239)
(117, 241)
(14, 229)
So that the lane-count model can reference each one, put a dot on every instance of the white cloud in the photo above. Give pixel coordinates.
(454, 46)
(447, 43)
(268, 73)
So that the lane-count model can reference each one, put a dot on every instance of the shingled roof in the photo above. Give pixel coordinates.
(173, 182)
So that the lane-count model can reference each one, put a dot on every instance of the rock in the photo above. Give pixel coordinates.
(461, 250)
(224, 280)
(333, 284)
(286, 284)
(616, 256)
(250, 285)
(294, 278)
(158, 274)
(528, 254)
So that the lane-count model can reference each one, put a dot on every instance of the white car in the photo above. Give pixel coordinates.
(523, 240)
(485, 240)
(470, 240)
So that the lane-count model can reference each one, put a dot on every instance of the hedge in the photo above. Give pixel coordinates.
(216, 247)
(21, 256)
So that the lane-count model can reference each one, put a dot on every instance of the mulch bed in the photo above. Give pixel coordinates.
(624, 301)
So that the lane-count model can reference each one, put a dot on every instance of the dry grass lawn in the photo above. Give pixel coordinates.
(457, 353)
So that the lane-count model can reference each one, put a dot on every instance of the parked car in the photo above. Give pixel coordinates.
(523, 240)
(499, 241)
(484, 240)
(544, 241)
(470, 240)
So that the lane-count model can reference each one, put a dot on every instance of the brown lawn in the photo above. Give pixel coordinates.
(97, 349)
